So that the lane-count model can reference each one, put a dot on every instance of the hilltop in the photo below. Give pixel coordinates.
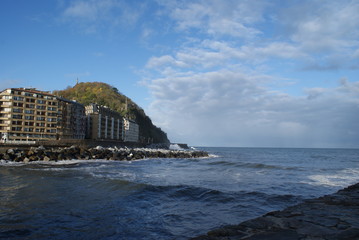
(107, 95)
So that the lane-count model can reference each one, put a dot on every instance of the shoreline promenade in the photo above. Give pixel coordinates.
(331, 217)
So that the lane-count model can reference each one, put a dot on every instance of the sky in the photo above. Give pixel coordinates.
(235, 73)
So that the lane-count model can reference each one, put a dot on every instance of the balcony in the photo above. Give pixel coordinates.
(5, 104)
(4, 123)
(4, 116)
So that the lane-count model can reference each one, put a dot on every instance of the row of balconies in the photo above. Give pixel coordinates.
(29, 136)
(31, 95)
(24, 129)
(29, 100)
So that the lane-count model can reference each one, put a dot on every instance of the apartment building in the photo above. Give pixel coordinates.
(103, 123)
(27, 114)
(72, 121)
(131, 131)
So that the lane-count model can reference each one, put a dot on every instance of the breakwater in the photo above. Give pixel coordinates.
(330, 217)
(75, 152)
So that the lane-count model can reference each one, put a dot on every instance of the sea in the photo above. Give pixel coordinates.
(164, 198)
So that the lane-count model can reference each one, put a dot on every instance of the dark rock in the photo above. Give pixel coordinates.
(351, 233)
(334, 216)
(7, 157)
(279, 235)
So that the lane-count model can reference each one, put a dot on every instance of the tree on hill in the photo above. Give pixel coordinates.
(106, 95)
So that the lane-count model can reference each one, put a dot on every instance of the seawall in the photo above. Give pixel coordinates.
(42, 153)
(331, 217)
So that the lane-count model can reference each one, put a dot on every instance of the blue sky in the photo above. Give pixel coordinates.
(208, 72)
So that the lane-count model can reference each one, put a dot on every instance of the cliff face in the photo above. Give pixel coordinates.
(106, 95)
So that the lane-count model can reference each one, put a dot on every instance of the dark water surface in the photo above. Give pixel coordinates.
(164, 198)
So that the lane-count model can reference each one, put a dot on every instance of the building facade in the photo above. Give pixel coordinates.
(103, 123)
(72, 121)
(27, 114)
(131, 131)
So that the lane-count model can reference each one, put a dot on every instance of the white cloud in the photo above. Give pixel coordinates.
(84, 10)
(231, 108)
(215, 17)
(332, 25)
(95, 16)
(214, 90)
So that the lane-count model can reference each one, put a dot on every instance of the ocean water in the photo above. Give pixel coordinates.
(164, 198)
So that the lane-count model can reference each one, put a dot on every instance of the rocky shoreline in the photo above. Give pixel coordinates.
(80, 153)
(330, 217)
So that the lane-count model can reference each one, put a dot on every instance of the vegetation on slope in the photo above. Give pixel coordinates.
(106, 95)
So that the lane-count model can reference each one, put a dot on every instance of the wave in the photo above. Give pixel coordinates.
(340, 179)
(223, 163)
(251, 165)
(201, 194)
(267, 166)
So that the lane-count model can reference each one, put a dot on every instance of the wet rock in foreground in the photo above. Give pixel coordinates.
(332, 217)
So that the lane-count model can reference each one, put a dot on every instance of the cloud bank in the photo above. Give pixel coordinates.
(216, 88)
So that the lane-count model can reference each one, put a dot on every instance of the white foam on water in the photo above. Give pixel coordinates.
(175, 147)
(342, 178)
(52, 163)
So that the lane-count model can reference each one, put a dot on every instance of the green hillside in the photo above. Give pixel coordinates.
(106, 95)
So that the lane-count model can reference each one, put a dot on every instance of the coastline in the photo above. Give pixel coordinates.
(331, 217)
(41, 153)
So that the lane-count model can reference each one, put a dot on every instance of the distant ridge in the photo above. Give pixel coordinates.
(107, 95)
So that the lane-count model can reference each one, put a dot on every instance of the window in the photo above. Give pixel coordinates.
(30, 106)
(40, 118)
(51, 119)
(41, 107)
(40, 124)
(16, 129)
(30, 100)
(28, 129)
(52, 109)
(18, 98)
(41, 101)
(17, 116)
(29, 111)
(52, 114)
(17, 104)
(29, 123)
(41, 113)
(16, 122)
(29, 117)
(17, 110)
